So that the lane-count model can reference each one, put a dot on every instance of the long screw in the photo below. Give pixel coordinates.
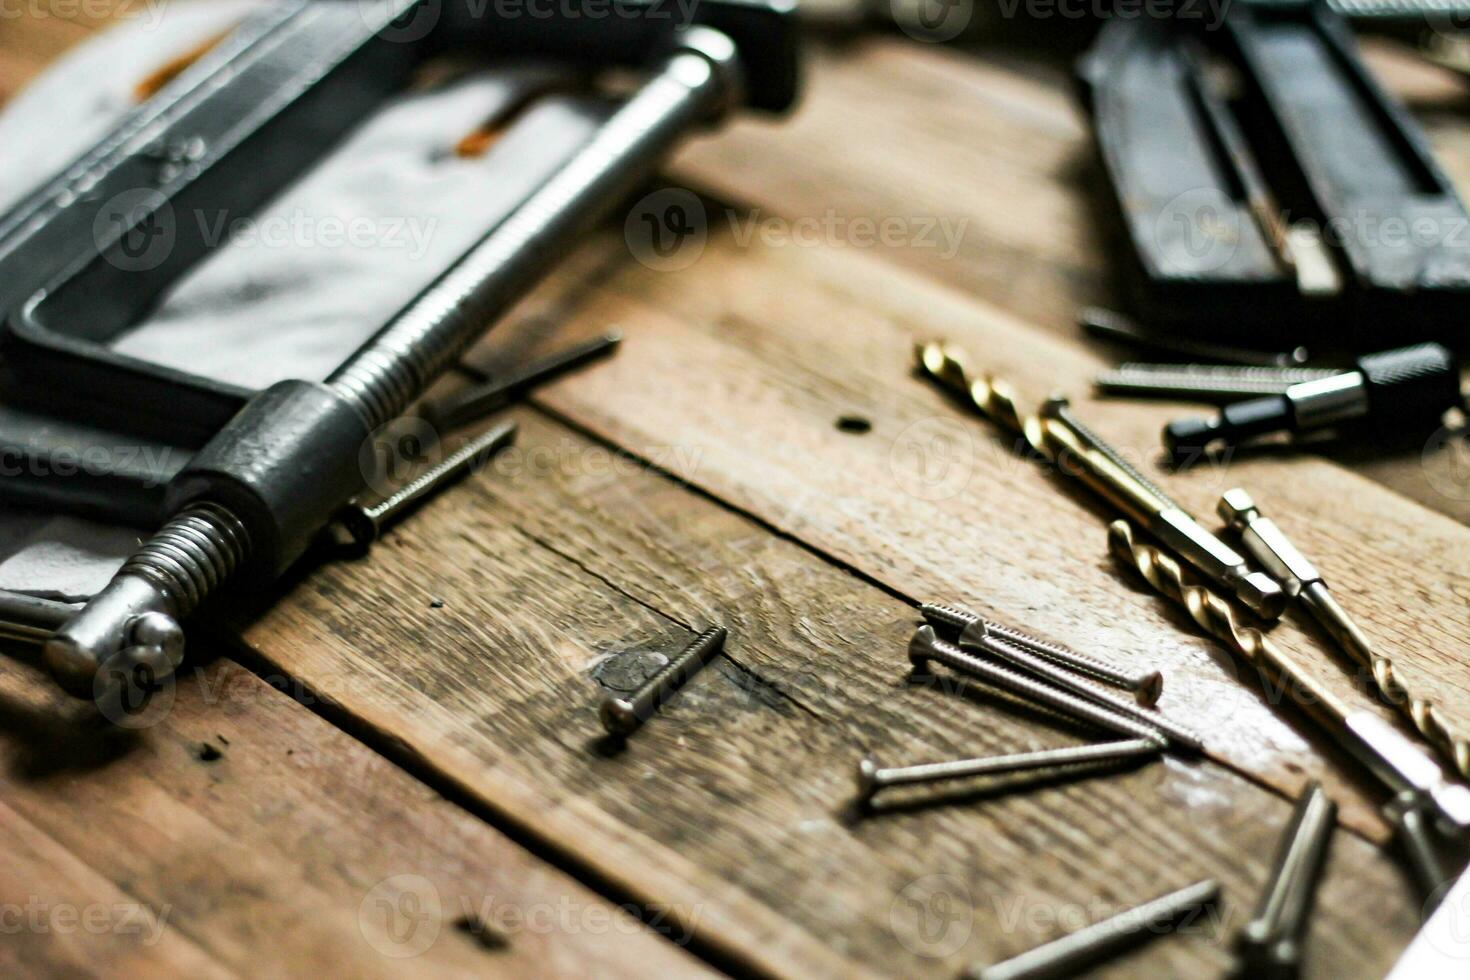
(1146, 686)
(926, 646)
(366, 523)
(1114, 326)
(1270, 943)
(623, 716)
(1068, 956)
(1270, 546)
(975, 637)
(1213, 383)
(871, 777)
(477, 401)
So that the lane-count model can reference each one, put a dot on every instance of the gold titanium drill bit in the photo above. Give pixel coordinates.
(1266, 542)
(1398, 763)
(1057, 434)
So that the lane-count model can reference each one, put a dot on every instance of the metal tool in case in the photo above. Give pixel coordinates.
(267, 470)
(1268, 186)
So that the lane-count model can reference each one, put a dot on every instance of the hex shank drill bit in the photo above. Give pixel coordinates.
(1266, 542)
(1395, 761)
(1076, 450)
(1069, 955)
(1083, 454)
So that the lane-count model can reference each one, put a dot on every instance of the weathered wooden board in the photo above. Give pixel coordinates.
(476, 638)
(1001, 152)
(240, 834)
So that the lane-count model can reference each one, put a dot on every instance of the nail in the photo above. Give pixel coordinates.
(477, 401)
(1067, 956)
(977, 637)
(926, 646)
(366, 523)
(871, 778)
(623, 716)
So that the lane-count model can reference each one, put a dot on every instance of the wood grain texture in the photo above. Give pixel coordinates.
(479, 636)
(240, 834)
(999, 148)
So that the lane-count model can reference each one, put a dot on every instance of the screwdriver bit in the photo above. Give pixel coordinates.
(1269, 546)
(1409, 388)
(1393, 759)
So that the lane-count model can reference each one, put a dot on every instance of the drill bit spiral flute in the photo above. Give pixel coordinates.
(1058, 435)
(1398, 763)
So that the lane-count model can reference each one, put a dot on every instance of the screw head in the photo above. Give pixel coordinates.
(867, 778)
(618, 716)
(921, 647)
(1151, 690)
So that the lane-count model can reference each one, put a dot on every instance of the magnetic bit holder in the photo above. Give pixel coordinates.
(1266, 183)
(1403, 392)
(267, 470)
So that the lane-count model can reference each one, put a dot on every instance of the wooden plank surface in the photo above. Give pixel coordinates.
(473, 644)
(559, 570)
(236, 833)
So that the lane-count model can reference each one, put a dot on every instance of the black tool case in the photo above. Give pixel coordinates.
(1269, 189)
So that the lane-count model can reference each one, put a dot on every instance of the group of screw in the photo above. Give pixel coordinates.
(1042, 673)
(1080, 688)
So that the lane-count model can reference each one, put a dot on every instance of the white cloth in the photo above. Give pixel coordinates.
(301, 284)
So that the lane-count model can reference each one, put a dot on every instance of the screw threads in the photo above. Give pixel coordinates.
(926, 646)
(1147, 686)
(623, 716)
(191, 555)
